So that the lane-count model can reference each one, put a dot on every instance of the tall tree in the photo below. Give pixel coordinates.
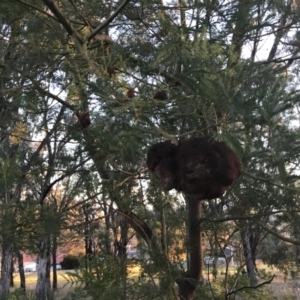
(140, 72)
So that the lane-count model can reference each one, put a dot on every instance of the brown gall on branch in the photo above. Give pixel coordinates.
(160, 95)
(111, 71)
(130, 93)
(197, 166)
(84, 119)
(161, 160)
(101, 40)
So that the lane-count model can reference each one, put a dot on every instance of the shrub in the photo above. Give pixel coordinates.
(70, 262)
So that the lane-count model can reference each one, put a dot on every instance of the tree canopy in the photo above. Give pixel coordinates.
(86, 87)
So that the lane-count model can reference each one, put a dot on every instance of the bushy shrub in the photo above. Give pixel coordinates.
(70, 262)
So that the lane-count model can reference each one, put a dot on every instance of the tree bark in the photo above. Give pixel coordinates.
(43, 280)
(164, 243)
(188, 284)
(21, 271)
(5, 270)
(297, 236)
(249, 259)
(12, 274)
(48, 281)
(54, 280)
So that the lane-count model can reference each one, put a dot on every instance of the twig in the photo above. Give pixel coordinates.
(63, 20)
(250, 287)
(108, 20)
(80, 14)
(132, 176)
(38, 9)
(47, 93)
(290, 188)
(278, 60)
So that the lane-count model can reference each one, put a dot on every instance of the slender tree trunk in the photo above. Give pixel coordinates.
(297, 238)
(5, 270)
(41, 287)
(48, 281)
(122, 254)
(12, 273)
(188, 284)
(164, 244)
(245, 235)
(107, 245)
(21, 271)
(54, 282)
(122, 250)
(298, 250)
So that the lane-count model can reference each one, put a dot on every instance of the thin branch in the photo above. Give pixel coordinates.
(88, 222)
(63, 20)
(249, 217)
(47, 93)
(65, 209)
(273, 232)
(233, 218)
(80, 14)
(253, 218)
(132, 176)
(269, 180)
(278, 60)
(251, 287)
(38, 9)
(280, 34)
(36, 154)
(163, 133)
(108, 20)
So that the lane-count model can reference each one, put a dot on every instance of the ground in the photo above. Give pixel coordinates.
(283, 288)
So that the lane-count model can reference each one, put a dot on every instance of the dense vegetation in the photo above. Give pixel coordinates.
(87, 86)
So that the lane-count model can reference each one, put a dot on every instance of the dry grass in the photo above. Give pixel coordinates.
(282, 287)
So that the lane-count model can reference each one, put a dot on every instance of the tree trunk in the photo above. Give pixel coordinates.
(54, 282)
(297, 236)
(188, 284)
(107, 245)
(43, 274)
(122, 245)
(5, 271)
(21, 271)
(12, 274)
(48, 281)
(164, 243)
(249, 259)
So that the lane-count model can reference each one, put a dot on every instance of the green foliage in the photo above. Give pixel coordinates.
(9, 171)
(216, 289)
(209, 58)
(278, 253)
(100, 278)
(19, 294)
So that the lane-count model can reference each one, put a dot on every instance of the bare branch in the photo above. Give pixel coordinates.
(273, 232)
(250, 287)
(63, 20)
(132, 176)
(81, 15)
(281, 33)
(38, 9)
(269, 180)
(47, 93)
(281, 60)
(109, 20)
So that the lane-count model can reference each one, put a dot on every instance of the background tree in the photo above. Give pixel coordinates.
(127, 75)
